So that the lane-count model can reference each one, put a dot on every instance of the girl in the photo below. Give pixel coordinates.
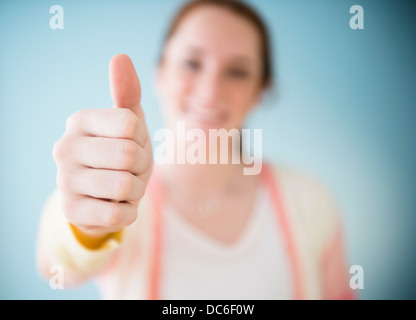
(189, 231)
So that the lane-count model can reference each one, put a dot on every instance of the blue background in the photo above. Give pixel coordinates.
(344, 111)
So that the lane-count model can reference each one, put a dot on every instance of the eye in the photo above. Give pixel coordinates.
(237, 73)
(191, 64)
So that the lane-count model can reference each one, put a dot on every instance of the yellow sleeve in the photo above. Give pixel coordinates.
(68, 247)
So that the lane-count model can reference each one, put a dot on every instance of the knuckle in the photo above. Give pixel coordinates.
(141, 190)
(74, 120)
(63, 180)
(70, 209)
(128, 153)
(62, 149)
(57, 151)
(123, 185)
(113, 216)
(131, 218)
(147, 162)
(129, 123)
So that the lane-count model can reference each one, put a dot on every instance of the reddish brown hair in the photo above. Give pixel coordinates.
(242, 9)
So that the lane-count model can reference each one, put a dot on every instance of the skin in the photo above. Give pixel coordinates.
(210, 71)
(210, 78)
(104, 158)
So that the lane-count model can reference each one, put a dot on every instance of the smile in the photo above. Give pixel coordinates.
(190, 147)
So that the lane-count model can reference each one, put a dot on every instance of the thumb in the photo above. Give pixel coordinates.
(124, 84)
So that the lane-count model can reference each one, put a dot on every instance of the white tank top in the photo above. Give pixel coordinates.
(256, 266)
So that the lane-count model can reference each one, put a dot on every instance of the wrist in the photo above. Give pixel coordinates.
(96, 238)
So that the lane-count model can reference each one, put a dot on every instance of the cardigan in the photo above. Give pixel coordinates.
(306, 212)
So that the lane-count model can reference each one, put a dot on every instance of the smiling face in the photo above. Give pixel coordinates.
(210, 74)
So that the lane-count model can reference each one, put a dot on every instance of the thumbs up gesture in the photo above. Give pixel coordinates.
(104, 158)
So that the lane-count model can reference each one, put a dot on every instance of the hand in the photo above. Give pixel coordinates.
(104, 158)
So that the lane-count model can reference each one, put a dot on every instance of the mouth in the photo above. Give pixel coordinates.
(202, 118)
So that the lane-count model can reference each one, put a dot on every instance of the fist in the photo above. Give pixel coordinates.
(104, 158)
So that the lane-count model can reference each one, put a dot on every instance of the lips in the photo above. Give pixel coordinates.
(205, 118)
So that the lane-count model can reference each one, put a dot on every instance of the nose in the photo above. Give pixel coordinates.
(209, 90)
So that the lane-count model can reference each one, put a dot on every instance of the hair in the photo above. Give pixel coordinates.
(242, 9)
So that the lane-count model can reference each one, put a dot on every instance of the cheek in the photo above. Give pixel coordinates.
(175, 88)
(243, 101)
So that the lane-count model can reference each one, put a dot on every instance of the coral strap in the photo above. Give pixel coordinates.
(268, 177)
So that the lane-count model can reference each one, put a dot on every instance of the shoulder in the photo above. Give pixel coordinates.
(310, 200)
(299, 182)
